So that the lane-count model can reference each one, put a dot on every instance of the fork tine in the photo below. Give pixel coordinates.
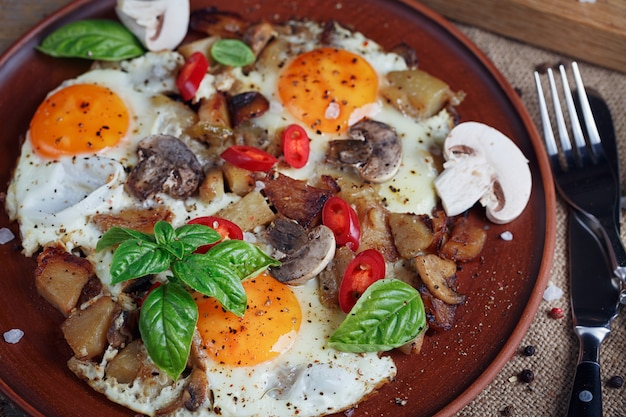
(577, 131)
(566, 144)
(548, 135)
(592, 129)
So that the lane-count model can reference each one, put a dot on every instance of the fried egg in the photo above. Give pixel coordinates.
(273, 362)
(81, 143)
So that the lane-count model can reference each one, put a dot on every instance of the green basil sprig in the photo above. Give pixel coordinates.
(232, 52)
(169, 315)
(105, 40)
(389, 314)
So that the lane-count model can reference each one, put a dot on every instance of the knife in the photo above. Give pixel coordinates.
(595, 299)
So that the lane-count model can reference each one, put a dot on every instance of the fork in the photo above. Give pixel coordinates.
(582, 172)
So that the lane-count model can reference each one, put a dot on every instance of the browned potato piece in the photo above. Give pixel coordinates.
(213, 185)
(412, 233)
(86, 330)
(331, 277)
(240, 181)
(60, 278)
(465, 243)
(142, 219)
(125, 366)
(249, 212)
(435, 273)
(418, 94)
(214, 111)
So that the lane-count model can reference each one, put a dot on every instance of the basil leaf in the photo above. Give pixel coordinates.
(195, 235)
(163, 232)
(116, 235)
(389, 314)
(232, 52)
(92, 39)
(136, 258)
(167, 322)
(245, 258)
(214, 278)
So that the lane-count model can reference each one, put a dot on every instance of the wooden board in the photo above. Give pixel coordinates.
(594, 32)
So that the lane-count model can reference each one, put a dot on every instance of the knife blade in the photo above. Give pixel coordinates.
(595, 299)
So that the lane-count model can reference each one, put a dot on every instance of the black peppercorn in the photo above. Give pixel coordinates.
(616, 381)
(526, 376)
(529, 350)
(507, 411)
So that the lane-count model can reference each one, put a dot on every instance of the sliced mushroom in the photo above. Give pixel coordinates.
(374, 150)
(286, 235)
(435, 273)
(159, 25)
(166, 165)
(482, 164)
(309, 260)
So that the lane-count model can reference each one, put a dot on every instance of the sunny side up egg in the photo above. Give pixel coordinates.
(58, 185)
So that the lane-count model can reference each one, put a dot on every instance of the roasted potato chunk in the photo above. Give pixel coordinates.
(249, 212)
(465, 242)
(212, 187)
(240, 181)
(418, 94)
(125, 366)
(141, 219)
(60, 278)
(86, 330)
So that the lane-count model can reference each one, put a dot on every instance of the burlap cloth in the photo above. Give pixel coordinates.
(556, 347)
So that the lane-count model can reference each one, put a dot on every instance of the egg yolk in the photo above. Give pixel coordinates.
(267, 329)
(78, 119)
(323, 87)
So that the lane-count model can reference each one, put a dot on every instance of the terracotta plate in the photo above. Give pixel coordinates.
(504, 288)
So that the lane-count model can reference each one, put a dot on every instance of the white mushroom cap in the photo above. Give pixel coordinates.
(158, 24)
(482, 164)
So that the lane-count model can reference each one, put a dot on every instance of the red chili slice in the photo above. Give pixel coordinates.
(226, 228)
(366, 268)
(343, 221)
(249, 157)
(191, 75)
(296, 146)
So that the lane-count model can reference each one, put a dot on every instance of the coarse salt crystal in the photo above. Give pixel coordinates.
(508, 236)
(6, 236)
(552, 293)
(13, 336)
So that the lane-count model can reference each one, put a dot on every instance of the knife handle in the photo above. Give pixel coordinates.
(586, 398)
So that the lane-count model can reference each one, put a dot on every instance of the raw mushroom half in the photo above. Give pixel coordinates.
(158, 24)
(482, 164)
